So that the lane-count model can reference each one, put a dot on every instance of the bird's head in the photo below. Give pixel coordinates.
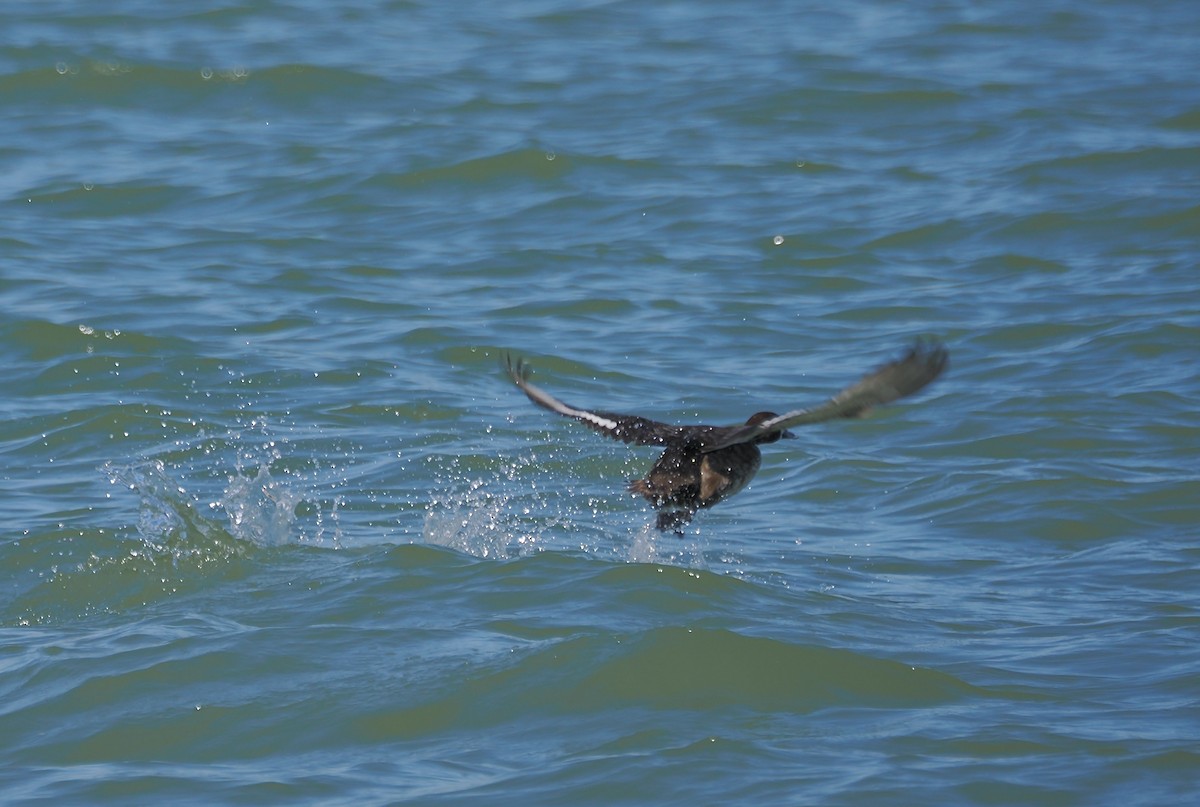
(767, 437)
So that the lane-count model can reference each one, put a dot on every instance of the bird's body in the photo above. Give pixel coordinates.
(702, 465)
(685, 479)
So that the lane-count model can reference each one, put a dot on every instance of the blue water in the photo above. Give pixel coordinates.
(277, 529)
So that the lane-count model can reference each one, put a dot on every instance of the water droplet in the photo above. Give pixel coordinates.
(206, 73)
(61, 68)
(550, 155)
(778, 240)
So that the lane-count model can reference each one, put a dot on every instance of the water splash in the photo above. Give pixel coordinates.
(261, 509)
(644, 547)
(500, 515)
(651, 545)
(266, 500)
(166, 511)
(478, 522)
(501, 508)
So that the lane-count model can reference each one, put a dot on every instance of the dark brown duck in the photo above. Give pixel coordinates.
(701, 465)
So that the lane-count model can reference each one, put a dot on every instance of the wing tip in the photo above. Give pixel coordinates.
(516, 367)
(930, 357)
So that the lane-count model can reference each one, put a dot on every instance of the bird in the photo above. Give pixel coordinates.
(703, 465)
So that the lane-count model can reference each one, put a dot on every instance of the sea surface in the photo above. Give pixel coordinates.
(277, 529)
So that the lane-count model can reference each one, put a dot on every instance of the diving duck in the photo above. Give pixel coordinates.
(702, 465)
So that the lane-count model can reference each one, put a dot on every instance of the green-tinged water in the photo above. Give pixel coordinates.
(278, 529)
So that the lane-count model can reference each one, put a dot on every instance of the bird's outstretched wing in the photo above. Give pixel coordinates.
(626, 428)
(921, 364)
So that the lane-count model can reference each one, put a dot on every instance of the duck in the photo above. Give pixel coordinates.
(700, 465)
